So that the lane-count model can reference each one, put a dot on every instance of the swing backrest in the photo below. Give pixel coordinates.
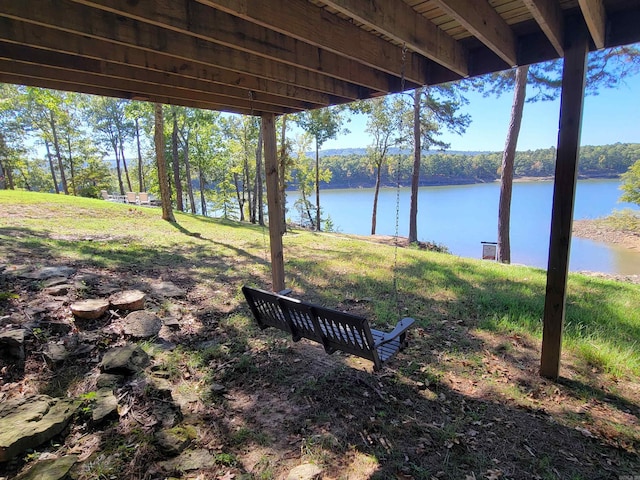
(266, 309)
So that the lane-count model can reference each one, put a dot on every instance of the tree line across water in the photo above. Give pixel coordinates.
(354, 170)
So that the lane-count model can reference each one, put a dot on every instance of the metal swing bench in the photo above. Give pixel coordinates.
(334, 329)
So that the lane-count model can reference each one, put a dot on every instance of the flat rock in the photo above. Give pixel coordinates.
(54, 353)
(173, 441)
(189, 460)
(106, 405)
(90, 309)
(125, 360)
(58, 290)
(53, 281)
(49, 272)
(128, 300)
(142, 324)
(307, 471)
(51, 469)
(28, 422)
(108, 380)
(167, 289)
(12, 342)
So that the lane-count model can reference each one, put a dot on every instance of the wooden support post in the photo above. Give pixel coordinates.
(573, 81)
(273, 201)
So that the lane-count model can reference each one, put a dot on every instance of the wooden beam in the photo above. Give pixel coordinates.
(571, 103)
(81, 20)
(184, 87)
(548, 14)
(137, 88)
(486, 24)
(595, 18)
(195, 19)
(303, 20)
(156, 63)
(397, 20)
(68, 86)
(273, 202)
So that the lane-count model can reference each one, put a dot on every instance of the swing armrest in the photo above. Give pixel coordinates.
(285, 292)
(402, 326)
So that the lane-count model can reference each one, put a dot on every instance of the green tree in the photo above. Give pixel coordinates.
(383, 123)
(631, 184)
(322, 124)
(434, 108)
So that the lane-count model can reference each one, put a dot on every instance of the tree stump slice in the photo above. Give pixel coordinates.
(128, 300)
(90, 309)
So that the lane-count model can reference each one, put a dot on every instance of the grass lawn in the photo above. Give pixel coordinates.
(464, 401)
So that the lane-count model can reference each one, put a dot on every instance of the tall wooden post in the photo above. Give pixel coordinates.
(273, 201)
(573, 81)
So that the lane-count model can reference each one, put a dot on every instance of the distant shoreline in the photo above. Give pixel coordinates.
(453, 181)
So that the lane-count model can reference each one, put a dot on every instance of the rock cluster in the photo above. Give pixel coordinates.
(100, 331)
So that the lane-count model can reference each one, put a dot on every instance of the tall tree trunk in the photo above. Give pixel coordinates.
(187, 169)
(246, 187)
(56, 147)
(114, 144)
(3, 179)
(163, 179)
(375, 199)
(318, 228)
(124, 165)
(506, 177)
(415, 174)
(282, 187)
(176, 164)
(140, 174)
(203, 200)
(71, 168)
(239, 196)
(53, 170)
(259, 185)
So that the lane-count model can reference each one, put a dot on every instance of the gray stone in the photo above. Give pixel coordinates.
(106, 405)
(58, 290)
(54, 353)
(142, 324)
(108, 380)
(128, 300)
(28, 422)
(52, 469)
(54, 281)
(49, 272)
(125, 360)
(306, 471)
(218, 389)
(167, 289)
(173, 441)
(12, 342)
(189, 460)
(90, 309)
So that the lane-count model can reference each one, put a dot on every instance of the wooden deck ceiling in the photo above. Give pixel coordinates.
(281, 56)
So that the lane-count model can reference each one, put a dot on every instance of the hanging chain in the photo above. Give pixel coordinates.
(398, 166)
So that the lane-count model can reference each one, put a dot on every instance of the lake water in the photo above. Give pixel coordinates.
(463, 216)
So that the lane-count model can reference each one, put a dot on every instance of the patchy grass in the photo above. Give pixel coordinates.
(463, 401)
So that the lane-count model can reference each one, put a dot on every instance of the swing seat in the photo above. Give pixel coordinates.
(334, 329)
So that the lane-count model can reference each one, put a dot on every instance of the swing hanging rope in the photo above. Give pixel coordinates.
(398, 166)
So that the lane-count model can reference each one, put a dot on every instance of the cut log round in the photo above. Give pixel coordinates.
(128, 300)
(90, 309)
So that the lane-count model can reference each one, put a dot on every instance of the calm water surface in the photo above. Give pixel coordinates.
(463, 216)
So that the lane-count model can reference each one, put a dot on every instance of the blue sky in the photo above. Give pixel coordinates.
(610, 117)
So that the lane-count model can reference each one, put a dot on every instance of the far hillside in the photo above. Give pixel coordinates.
(351, 168)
